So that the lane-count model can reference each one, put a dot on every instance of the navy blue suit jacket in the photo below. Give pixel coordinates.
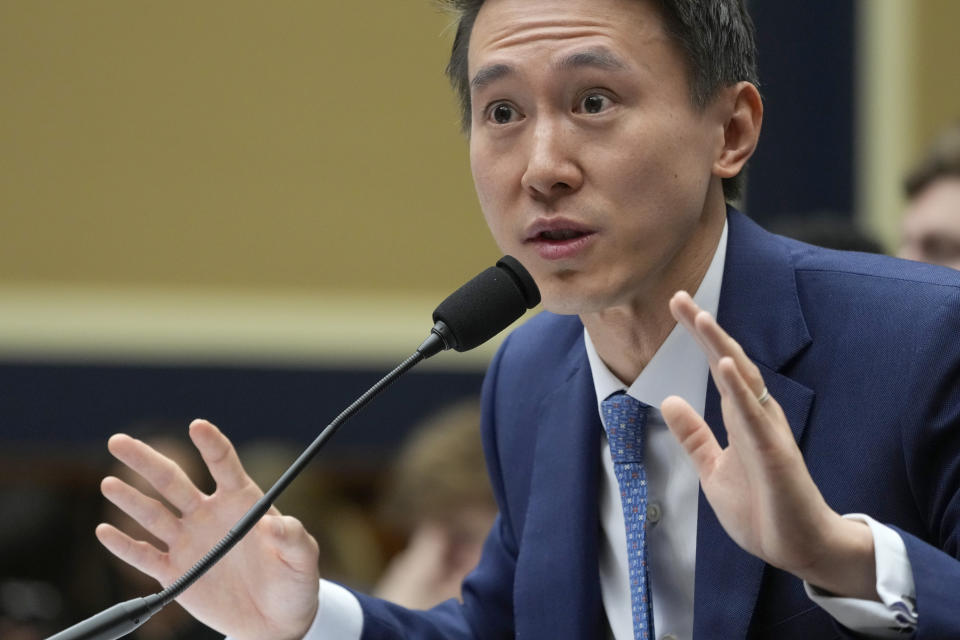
(863, 354)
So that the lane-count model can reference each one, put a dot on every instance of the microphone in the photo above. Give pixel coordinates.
(471, 315)
(482, 308)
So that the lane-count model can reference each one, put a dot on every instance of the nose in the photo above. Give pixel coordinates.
(552, 169)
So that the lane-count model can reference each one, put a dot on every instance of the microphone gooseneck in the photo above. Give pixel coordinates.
(471, 315)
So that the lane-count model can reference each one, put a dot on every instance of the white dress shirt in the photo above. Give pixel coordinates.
(679, 368)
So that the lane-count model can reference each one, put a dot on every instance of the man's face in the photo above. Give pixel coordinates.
(931, 227)
(591, 164)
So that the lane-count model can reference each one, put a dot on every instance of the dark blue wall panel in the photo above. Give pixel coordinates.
(69, 405)
(805, 161)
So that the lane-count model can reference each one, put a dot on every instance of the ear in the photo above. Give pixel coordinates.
(742, 119)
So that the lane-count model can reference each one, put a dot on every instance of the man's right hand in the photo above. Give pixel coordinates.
(264, 588)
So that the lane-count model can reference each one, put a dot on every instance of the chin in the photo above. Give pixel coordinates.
(565, 299)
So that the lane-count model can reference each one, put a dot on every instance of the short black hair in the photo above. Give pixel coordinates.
(716, 38)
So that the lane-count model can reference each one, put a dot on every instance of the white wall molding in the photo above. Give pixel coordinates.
(89, 324)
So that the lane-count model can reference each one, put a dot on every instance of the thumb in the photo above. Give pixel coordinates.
(294, 545)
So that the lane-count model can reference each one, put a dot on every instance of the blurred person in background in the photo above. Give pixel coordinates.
(438, 497)
(931, 224)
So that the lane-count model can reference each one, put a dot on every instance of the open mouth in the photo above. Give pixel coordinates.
(560, 240)
(560, 235)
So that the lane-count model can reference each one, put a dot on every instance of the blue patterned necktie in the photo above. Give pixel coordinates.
(625, 419)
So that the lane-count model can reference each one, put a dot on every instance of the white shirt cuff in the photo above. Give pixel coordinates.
(897, 613)
(339, 616)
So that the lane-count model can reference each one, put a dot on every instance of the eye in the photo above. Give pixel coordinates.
(503, 113)
(593, 103)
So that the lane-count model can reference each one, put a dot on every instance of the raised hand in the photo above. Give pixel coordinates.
(759, 485)
(265, 587)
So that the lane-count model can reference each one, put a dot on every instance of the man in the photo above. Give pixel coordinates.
(931, 224)
(602, 133)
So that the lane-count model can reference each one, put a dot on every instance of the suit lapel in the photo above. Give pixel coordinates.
(760, 308)
(561, 526)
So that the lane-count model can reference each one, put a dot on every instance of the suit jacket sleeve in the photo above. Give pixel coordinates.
(932, 455)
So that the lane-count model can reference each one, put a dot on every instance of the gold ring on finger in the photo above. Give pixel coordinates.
(763, 397)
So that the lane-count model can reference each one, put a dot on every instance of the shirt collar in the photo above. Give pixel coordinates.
(679, 367)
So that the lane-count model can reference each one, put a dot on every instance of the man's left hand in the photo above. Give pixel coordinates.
(759, 485)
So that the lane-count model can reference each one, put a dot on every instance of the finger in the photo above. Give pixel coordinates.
(296, 547)
(715, 342)
(161, 472)
(693, 434)
(756, 420)
(151, 514)
(219, 455)
(139, 555)
(696, 322)
(723, 346)
(684, 310)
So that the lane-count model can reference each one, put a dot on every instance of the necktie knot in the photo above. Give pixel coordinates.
(625, 419)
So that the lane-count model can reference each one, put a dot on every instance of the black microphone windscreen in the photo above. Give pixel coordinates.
(487, 304)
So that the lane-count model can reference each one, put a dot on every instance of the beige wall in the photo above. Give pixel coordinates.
(937, 70)
(308, 144)
(252, 154)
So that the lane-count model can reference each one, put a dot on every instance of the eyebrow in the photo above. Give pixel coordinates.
(597, 58)
(488, 74)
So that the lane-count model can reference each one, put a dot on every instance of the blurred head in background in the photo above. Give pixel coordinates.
(439, 499)
(931, 224)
